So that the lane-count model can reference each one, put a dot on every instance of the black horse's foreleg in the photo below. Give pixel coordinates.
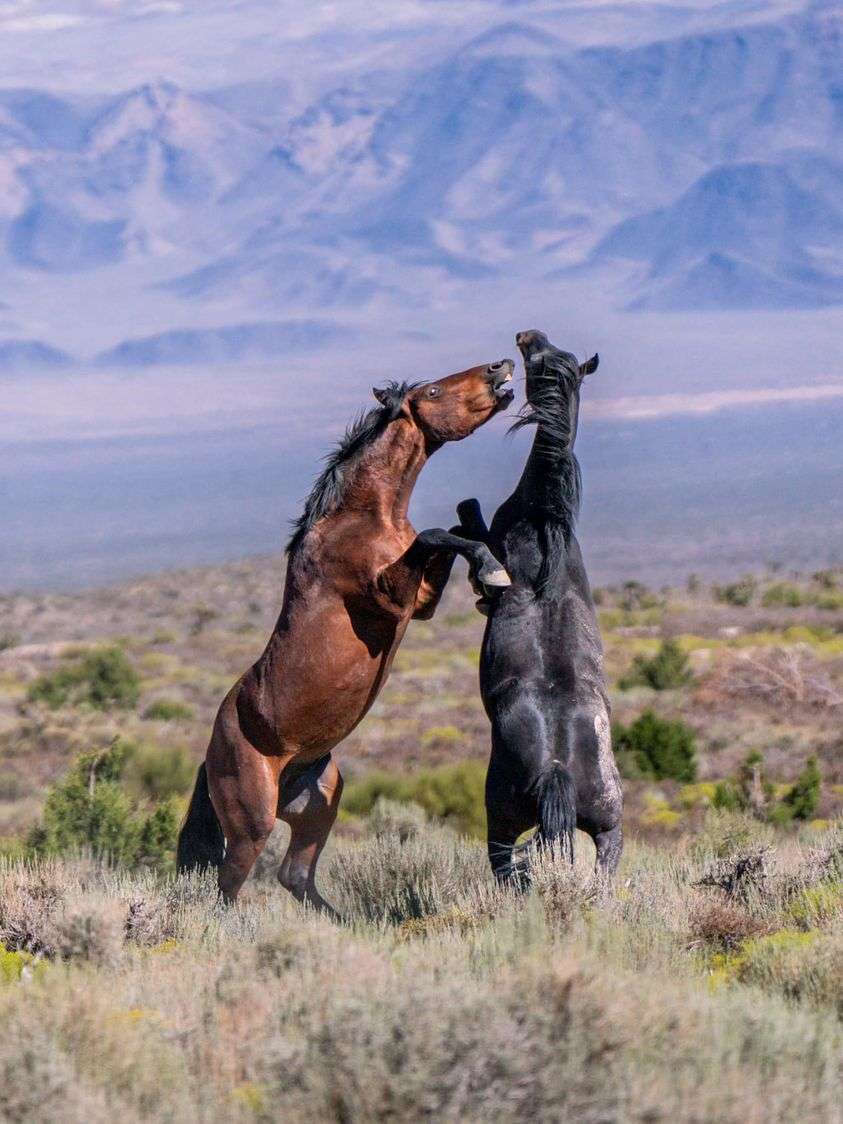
(434, 579)
(400, 581)
(472, 524)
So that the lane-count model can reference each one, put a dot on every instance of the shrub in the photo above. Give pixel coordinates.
(666, 670)
(103, 678)
(635, 595)
(154, 772)
(90, 809)
(804, 796)
(783, 596)
(9, 639)
(825, 579)
(658, 747)
(738, 593)
(451, 793)
(389, 817)
(749, 790)
(168, 710)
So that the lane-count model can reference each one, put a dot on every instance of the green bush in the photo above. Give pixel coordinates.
(90, 809)
(154, 772)
(657, 747)
(737, 593)
(450, 793)
(666, 670)
(803, 798)
(783, 596)
(168, 710)
(635, 595)
(9, 640)
(103, 678)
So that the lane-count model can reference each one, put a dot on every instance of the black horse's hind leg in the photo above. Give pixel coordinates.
(609, 845)
(510, 811)
(508, 865)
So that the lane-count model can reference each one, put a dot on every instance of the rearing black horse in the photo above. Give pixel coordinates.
(541, 665)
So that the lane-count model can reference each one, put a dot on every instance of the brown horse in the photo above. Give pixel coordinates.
(357, 574)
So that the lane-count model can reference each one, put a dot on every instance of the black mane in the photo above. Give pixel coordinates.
(554, 471)
(327, 491)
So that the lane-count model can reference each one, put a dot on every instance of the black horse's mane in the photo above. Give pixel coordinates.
(328, 488)
(558, 474)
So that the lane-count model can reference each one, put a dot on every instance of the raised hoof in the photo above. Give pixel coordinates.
(494, 579)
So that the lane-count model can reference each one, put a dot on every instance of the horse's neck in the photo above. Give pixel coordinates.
(383, 480)
(550, 483)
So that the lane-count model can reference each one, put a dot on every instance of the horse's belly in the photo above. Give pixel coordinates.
(320, 703)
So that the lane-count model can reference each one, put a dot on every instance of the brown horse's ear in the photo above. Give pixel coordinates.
(382, 395)
(590, 366)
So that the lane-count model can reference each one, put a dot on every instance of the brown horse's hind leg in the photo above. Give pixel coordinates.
(309, 803)
(244, 791)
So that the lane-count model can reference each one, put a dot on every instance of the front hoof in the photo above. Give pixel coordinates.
(483, 606)
(495, 579)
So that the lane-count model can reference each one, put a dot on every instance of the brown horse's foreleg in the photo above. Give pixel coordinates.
(243, 786)
(309, 803)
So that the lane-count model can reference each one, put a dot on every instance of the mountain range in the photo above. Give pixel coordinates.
(702, 170)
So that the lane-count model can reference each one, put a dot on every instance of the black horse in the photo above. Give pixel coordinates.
(541, 665)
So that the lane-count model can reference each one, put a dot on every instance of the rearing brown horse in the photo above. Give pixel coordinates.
(357, 573)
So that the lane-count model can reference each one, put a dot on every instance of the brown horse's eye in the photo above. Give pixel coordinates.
(434, 392)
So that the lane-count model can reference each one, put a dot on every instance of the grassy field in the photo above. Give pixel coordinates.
(704, 988)
(706, 985)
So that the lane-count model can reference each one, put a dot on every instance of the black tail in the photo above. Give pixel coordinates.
(557, 803)
(201, 841)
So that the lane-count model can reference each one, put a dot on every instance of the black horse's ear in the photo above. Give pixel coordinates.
(590, 366)
(382, 395)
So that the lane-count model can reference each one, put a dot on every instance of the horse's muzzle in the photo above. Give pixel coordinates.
(500, 379)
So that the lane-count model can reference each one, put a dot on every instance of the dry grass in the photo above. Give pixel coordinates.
(441, 997)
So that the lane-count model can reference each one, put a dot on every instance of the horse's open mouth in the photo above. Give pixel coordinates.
(502, 386)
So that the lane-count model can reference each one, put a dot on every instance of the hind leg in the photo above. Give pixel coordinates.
(243, 786)
(309, 803)
(509, 812)
(609, 846)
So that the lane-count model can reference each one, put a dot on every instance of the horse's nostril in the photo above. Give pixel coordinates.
(496, 366)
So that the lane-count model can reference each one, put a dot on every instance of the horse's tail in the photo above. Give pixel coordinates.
(557, 806)
(201, 841)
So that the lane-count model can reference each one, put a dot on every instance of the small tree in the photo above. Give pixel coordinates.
(89, 808)
(664, 671)
(659, 748)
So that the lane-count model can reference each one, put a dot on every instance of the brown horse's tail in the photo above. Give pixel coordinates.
(201, 841)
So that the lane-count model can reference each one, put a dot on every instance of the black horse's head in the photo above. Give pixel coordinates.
(554, 378)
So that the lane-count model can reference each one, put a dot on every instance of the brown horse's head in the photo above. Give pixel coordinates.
(452, 408)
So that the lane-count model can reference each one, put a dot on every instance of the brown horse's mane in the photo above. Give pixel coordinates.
(327, 491)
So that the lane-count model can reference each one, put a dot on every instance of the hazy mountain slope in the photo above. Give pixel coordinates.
(742, 230)
(707, 156)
